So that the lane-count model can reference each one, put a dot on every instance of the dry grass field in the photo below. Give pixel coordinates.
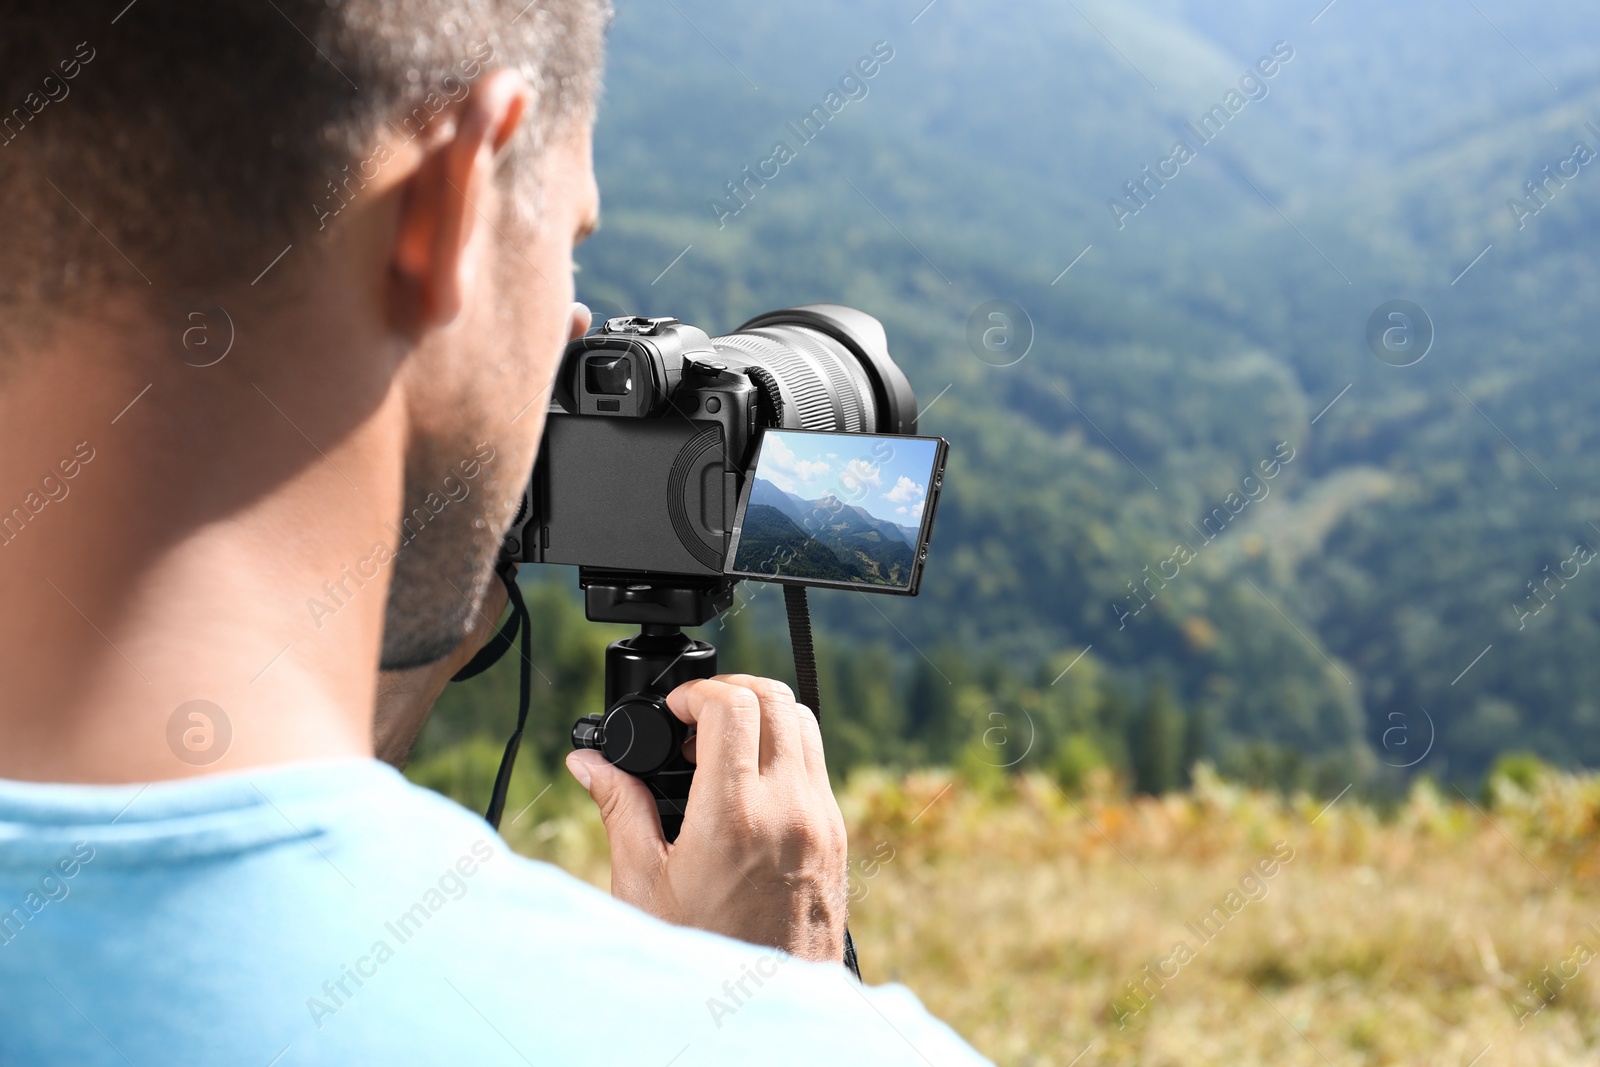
(1222, 926)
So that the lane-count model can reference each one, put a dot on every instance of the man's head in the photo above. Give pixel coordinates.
(395, 185)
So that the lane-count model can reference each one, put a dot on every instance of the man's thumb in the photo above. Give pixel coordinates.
(626, 807)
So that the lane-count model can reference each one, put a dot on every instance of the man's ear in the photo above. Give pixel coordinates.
(447, 196)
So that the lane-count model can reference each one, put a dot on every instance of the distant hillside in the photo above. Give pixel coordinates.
(1383, 577)
(823, 538)
(763, 492)
(772, 544)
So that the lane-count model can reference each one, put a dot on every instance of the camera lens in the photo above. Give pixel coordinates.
(832, 368)
(608, 375)
(821, 380)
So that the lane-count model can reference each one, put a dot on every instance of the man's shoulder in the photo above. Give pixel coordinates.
(350, 915)
(634, 980)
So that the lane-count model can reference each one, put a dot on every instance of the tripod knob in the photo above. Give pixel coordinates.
(586, 732)
(638, 734)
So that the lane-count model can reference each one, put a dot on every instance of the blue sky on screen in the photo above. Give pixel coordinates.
(888, 476)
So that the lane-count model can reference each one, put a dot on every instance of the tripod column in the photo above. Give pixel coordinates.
(638, 732)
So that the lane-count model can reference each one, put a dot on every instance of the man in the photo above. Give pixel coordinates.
(284, 283)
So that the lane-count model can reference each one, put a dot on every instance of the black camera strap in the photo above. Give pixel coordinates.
(488, 656)
(798, 608)
(805, 673)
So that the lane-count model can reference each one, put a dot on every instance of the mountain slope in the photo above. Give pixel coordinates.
(1221, 326)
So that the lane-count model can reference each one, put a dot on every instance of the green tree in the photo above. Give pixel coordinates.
(1156, 743)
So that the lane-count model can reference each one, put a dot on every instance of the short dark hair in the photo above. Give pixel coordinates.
(185, 144)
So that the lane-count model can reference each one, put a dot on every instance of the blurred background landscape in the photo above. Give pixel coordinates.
(1398, 621)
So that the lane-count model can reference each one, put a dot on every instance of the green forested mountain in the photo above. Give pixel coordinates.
(1407, 587)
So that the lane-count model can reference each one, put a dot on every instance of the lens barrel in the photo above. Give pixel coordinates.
(821, 382)
(833, 368)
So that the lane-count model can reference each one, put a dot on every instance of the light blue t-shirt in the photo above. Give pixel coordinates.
(333, 913)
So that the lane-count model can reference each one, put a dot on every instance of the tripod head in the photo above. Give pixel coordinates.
(654, 599)
(637, 731)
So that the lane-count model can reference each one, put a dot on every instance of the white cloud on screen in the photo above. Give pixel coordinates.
(859, 476)
(905, 491)
(784, 469)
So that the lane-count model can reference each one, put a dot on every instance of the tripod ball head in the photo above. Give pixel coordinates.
(638, 734)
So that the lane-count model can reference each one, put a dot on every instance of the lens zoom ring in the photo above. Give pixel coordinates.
(846, 393)
(806, 391)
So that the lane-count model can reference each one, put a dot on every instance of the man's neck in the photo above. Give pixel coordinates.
(163, 529)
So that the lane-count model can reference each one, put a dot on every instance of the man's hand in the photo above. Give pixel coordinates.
(406, 697)
(762, 853)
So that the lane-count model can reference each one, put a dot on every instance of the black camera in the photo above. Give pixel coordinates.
(654, 425)
(675, 464)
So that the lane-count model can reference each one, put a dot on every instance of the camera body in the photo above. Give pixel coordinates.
(653, 423)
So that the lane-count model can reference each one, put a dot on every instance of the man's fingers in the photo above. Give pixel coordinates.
(633, 826)
(811, 743)
(727, 721)
(780, 728)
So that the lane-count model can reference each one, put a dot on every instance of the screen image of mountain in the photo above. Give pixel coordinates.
(825, 539)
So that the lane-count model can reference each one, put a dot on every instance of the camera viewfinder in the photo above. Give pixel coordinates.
(608, 375)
